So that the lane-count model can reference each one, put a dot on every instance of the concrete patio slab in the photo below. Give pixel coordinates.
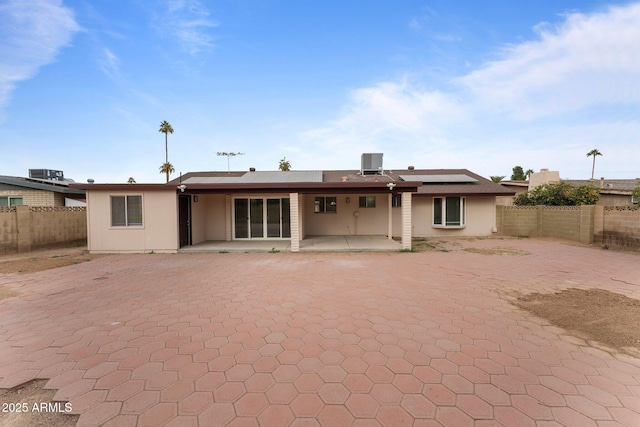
(331, 339)
(308, 244)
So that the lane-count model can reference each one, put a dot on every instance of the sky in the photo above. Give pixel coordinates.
(482, 85)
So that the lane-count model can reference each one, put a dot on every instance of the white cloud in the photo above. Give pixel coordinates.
(544, 101)
(188, 22)
(31, 35)
(109, 64)
(587, 60)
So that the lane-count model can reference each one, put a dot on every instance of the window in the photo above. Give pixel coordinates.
(10, 200)
(367, 201)
(126, 211)
(326, 205)
(396, 200)
(449, 211)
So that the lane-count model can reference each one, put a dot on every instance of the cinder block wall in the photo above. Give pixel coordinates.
(567, 222)
(8, 230)
(560, 221)
(50, 225)
(23, 228)
(618, 226)
(517, 220)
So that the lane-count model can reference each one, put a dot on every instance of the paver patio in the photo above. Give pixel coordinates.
(329, 339)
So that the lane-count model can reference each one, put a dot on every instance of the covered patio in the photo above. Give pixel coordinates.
(308, 244)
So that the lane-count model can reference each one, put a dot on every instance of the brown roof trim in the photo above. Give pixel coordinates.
(253, 187)
(124, 187)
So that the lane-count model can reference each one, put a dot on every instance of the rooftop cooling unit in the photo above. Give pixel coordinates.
(46, 174)
(371, 163)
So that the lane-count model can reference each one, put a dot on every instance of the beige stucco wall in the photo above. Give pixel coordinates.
(159, 232)
(367, 221)
(480, 218)
(208, 218)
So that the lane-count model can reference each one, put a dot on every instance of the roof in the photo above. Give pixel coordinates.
(6, 182)
(258, 177)
(607, 186)
(453, 182)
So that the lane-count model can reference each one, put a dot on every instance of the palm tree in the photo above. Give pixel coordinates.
(166, 128)
(131, 180)
(167, 168)
(593, 153)
(528, 173)
(497, 178)
(284, 165)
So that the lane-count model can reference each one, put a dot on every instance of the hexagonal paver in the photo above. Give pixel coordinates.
(306, 405)
(362, 406)
(333, 393)
(251, 404)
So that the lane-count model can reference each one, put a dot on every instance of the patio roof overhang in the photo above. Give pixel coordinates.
(301, 187)
(307, 188)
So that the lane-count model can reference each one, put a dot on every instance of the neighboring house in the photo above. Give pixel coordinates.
(518, 187)
(613, 192)
(291, 205)
(16, 190)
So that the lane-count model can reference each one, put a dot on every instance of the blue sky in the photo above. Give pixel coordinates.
(84, 85)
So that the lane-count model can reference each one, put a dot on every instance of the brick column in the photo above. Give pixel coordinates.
(406, 220)
(587, 216)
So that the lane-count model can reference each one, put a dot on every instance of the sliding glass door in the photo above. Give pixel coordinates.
(261, 217)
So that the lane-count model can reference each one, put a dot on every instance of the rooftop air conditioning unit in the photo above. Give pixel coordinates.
(371, 163)
(46, 174)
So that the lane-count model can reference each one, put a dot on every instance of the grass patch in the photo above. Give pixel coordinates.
(497, 251)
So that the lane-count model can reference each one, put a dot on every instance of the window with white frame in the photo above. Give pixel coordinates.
(126, 211)
(367, 202)
(326, 205)
(10, 200)
(449, 212)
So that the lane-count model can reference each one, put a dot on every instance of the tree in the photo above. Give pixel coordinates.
(131, 180)
(635, 194)
(528, 173)
(518, 174)
(497, 178)
(167, 168)
(593, 153)
(561, 194)
(284, 165)
(166, 128)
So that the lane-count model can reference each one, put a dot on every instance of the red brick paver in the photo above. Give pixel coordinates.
(323, 339)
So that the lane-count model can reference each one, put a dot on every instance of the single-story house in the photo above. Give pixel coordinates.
(15, 190)
(290, 205)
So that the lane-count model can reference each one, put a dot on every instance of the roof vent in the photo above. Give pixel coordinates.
(371, 163)
(411, 168)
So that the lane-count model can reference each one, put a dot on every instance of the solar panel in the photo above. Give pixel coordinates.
(259, 177)
(439, 179)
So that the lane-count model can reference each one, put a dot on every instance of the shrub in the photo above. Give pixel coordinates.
(558, 195)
